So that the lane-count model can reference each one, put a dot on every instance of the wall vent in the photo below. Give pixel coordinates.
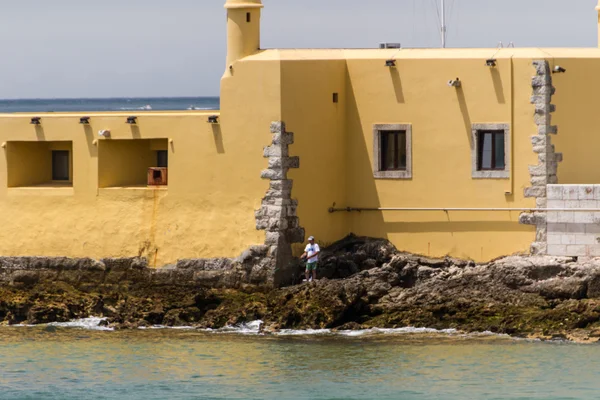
(390, 46)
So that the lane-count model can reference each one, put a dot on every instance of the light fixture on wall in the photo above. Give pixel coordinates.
(84, 120)
(558, 70)
(213, 119)
(390, 63)
(132, 120)
(492, 62)
(455, 83)
(105, 133)
(36, 120)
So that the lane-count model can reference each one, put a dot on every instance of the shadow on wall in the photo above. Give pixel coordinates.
(361, 186)
(89, 138)
(464, 111)
(456, 226)
(39, 133)
(498, 89)
(397, 83)
(218, 137)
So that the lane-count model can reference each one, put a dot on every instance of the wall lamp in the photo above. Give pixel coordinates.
(558, 70)
(36, 120)
(491, 62)
(390, 63)
(132, 120)
(213, 119)
(84, 120)
(455, 83)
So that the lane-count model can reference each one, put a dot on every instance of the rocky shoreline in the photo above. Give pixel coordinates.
(364, 283)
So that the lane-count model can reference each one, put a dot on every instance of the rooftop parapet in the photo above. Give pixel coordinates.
(243, 4)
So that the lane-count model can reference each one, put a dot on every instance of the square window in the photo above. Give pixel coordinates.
(132, 163)
(39, 164)
(489, 151)
(393, 151)
(392, 158)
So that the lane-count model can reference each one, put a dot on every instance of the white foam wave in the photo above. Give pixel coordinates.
(167, 327)
(91, 323)
(365, 332)
(146, 107)
(199, 108)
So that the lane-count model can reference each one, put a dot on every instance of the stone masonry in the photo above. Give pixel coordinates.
(277, 215)
(574, 233)
(545, 172)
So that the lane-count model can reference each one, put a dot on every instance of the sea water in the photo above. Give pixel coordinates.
(79, 361)
(137, 104)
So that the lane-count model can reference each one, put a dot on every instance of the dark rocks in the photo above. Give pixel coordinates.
(364, 283)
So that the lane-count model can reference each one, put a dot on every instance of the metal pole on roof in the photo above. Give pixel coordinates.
(443, 24)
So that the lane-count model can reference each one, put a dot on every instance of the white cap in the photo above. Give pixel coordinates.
(311, 238)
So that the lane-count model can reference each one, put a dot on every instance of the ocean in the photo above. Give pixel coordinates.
(137, 104)
(80, 361)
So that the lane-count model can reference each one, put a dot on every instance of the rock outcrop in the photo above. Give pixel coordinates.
(364, 283)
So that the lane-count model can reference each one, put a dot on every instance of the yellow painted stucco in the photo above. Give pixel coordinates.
(207, 209)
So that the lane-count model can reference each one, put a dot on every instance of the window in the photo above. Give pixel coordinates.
(132, 163)
(490, 151)
(393, 151)
(248, 17)
(60, 165)
(39, 164)
(392, 146)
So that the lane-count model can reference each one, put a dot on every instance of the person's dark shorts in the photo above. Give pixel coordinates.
(311, 266)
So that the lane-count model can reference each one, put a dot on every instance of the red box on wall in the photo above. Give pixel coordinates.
(157, 176)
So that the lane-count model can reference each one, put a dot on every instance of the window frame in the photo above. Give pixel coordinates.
(378, 171)
(476, 147)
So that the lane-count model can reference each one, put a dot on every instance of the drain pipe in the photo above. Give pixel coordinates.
(476, 209)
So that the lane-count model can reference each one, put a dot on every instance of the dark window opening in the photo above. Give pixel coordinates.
(60, 165)
(162, 158)
(393, 151)
(156, 174)
(248, 17)
(335, 97)
(491, 151)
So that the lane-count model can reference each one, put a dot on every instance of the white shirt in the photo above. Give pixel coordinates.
(310, 250)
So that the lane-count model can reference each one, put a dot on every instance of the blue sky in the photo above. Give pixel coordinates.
(113, 48)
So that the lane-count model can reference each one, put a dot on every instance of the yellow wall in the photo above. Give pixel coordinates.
(207, 210)
(214, 170)
(416, 93)
(578, 119)
(320, 141)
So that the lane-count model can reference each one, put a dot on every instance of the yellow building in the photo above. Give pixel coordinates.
(441, 151)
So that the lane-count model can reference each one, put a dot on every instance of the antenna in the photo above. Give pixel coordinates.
(443, 23)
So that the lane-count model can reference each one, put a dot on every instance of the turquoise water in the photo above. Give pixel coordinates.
(137, 104)
(61, 363)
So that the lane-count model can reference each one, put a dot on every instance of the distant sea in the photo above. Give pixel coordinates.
(110, 104)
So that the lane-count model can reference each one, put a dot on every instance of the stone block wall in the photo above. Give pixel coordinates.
(573, 233)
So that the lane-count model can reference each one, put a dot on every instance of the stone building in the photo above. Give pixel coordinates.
(442, 151)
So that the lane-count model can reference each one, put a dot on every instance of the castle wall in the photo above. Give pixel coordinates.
(442, 119)
(309, 110)
(207, 210)
(578, 119)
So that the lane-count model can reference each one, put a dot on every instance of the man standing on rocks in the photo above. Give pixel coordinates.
(311, 253)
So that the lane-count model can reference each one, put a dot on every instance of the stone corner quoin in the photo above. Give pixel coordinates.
(277, 214)
(545, 172)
